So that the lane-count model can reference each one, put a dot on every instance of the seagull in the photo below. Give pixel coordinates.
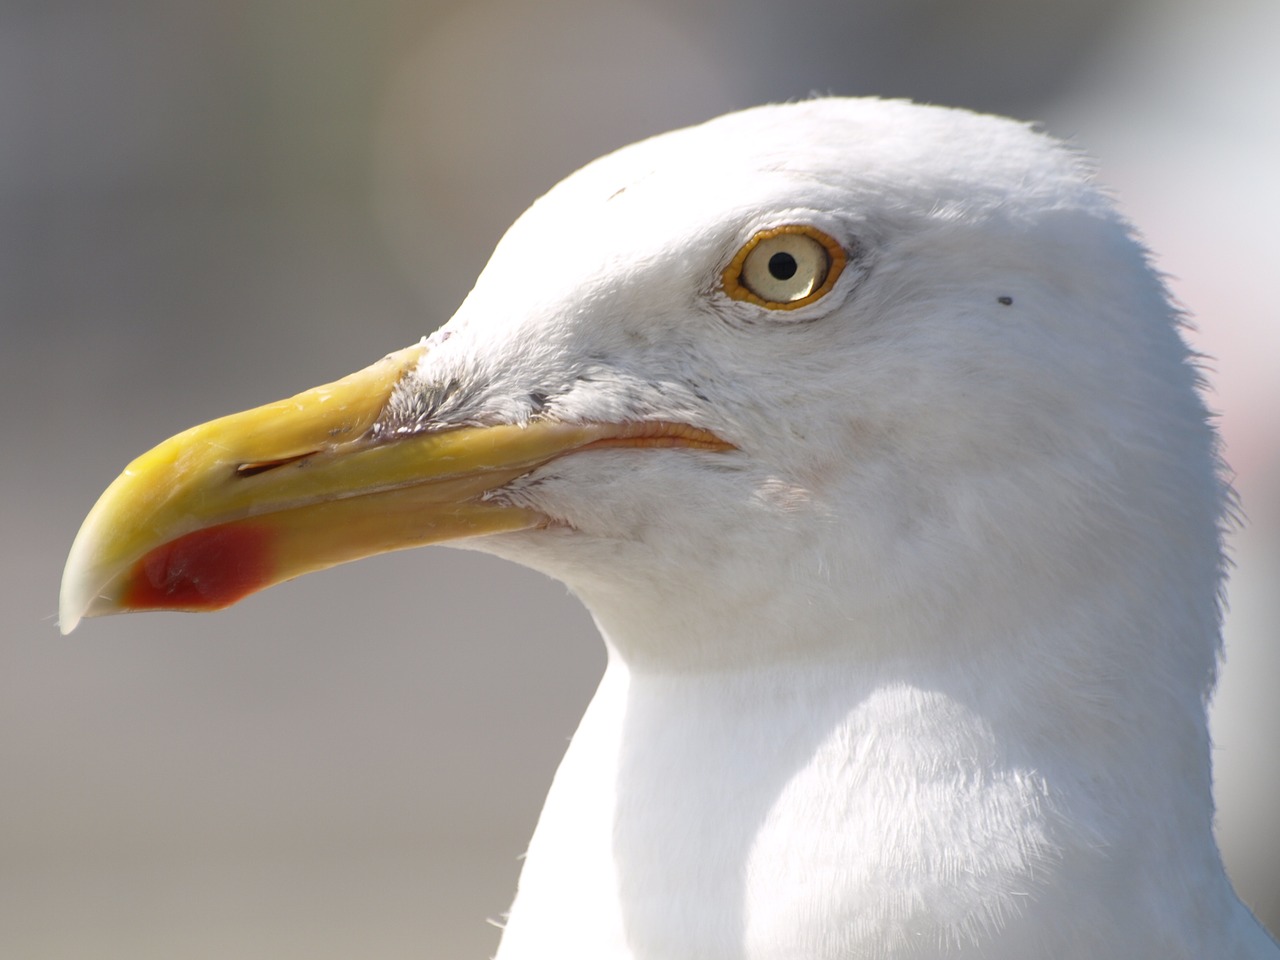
(867, 434)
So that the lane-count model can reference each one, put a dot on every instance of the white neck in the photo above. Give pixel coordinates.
(859, 744)
(828, 810)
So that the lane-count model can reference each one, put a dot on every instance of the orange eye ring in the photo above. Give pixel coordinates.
(785, 268)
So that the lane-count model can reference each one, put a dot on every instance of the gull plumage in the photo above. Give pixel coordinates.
(911, 599)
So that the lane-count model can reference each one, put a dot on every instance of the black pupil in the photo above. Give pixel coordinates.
(782, 266)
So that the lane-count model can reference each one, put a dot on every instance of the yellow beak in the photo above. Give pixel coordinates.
(244, 502)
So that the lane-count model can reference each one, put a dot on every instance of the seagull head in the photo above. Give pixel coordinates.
(868, 435)
(828, 377)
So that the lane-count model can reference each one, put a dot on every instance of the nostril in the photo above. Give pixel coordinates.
(255, 467)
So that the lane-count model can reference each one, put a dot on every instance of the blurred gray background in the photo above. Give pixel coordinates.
(209, 205)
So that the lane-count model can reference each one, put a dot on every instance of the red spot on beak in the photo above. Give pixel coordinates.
(205, 570)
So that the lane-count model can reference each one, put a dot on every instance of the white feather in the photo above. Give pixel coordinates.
(920, 669)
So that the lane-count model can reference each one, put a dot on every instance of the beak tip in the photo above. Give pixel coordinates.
(72, 604)
(80, 586)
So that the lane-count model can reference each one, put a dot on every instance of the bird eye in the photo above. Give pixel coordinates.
(784, 267)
